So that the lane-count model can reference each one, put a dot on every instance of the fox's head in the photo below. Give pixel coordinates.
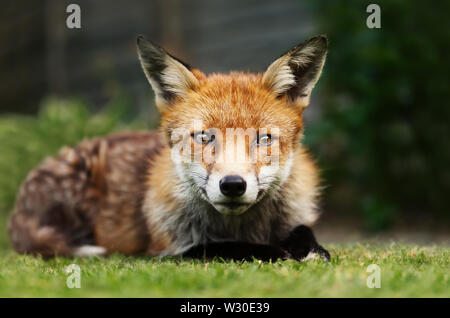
(233, 136)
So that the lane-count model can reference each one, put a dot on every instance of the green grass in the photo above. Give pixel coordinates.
(406, 270)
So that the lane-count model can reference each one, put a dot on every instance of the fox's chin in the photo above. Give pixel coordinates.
(231, 208)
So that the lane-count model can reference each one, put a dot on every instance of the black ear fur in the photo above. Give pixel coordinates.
(310, 71)
(296, 72)
(154, 60)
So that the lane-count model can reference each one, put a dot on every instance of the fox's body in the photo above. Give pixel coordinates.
(144, 193)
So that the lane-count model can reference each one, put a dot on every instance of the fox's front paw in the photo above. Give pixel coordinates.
(302, 245)
(323, 253)
(316, 253)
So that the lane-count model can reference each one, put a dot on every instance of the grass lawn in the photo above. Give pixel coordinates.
(406, 271)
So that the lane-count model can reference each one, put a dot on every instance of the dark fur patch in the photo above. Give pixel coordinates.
(298, 245)
(238, 251)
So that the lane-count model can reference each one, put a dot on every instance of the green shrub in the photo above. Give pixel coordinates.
(383, 134)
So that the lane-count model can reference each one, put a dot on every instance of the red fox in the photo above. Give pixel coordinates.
(226, 174)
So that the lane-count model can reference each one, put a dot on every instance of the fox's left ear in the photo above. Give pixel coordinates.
(169, 77)
(295, 73)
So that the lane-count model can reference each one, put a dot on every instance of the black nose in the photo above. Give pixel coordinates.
(232, 186)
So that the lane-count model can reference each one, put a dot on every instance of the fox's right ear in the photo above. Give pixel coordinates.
(169, 77)
(295, 73)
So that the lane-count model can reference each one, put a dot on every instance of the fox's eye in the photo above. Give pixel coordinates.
(264, 140)
(202, 137)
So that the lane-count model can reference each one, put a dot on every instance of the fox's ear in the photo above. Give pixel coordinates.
(169, 77)
(295, 73)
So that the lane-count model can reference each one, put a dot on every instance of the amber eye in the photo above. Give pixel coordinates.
(264, 140)
(203, 137)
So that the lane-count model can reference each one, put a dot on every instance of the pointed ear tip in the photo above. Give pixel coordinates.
(322, 38)
(139, 38)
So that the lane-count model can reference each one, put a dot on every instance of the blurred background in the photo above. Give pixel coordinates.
(378, 123)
